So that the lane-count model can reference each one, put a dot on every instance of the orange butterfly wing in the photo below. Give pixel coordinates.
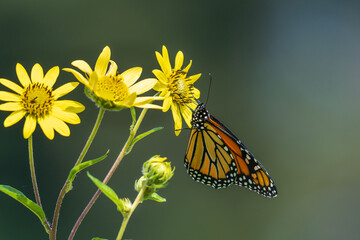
(216, 157)
(207, 161)
(250, 172)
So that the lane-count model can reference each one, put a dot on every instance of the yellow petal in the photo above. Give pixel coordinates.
(51, 76)
(131, 75)
(29, 126)
(128, 102)
(64, 89)
(60, 127)
(68, 117)
(7, 96)
(78, 76)
(11, 106)
(187, 114)
(160, 87)
(143, 86)
(11, 85)
(148, 105)
(187, 67)
(13, 118)
(143, 100)
(167, 103)
(166, 60)
(179, 59)
(196, 93)
(22, 75)
(37, 74)
(103, 61)
(177, 118)
(112, 69)
(69, 106)
(161, 63)
(193, 105)
(47, 127)
(104, 94)
(93, 79)
(165, 93)
(82, 65)
(161, 76)
(193, 78)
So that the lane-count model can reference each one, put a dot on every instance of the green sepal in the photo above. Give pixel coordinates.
(141, 136)
(154, 196)
(106, 190)
(32, 206)
(82, 166)
(88, 93)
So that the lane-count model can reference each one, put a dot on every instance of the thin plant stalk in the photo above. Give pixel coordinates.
(126, 219)
(79, 160)
(123, 152)
(33, 176)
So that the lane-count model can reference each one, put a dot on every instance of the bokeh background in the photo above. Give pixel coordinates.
(286, 80)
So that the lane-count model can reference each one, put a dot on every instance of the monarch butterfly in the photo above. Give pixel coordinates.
(216, 157)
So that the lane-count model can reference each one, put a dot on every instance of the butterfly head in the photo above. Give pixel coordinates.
(199, 117)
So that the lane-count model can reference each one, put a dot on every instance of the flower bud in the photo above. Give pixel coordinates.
(124, 206)
(157, 172)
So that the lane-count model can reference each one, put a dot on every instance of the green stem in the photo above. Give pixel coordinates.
(79, 160)
(33, 176)
(126, 219)
(91, 137)
(32, 170)
(110, 173)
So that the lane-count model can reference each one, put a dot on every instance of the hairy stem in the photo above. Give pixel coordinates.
(33, 176)
(126, 219)
(110, 173)
(79, 160)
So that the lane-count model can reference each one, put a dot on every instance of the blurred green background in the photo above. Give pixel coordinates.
(286, 80)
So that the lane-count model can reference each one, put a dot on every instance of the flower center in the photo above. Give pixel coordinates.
(38, 99)
(112, 88)
(180, 89)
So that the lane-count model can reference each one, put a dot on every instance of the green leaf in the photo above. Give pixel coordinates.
(97, 238)
(106, 190)
(82, 166)
(141, 136)
(155, 197)
(20, 197)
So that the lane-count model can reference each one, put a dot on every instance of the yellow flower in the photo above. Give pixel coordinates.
(112, 90)
(176, 87)
(38, 102)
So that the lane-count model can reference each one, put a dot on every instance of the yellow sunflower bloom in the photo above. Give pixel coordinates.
(38, 102)
(111, 90)
(176, 87)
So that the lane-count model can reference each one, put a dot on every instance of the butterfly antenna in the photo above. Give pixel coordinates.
(197, 101)
(185, 103)
(208, 94)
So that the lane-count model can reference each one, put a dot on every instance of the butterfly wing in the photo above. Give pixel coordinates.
(250, 172)
(216, 157)
(207, 159)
